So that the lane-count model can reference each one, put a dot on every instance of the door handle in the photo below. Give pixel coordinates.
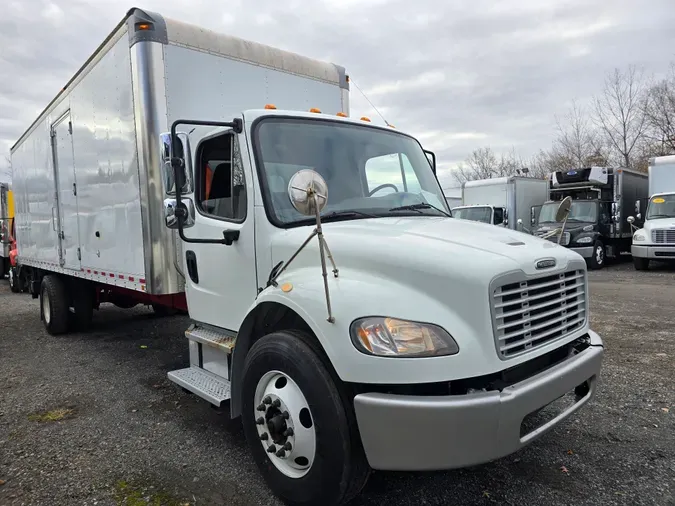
(191, 261)
(229, 236)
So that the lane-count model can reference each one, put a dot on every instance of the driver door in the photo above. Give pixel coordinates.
(220, 277)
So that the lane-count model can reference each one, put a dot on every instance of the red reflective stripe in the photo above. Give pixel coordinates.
(142, 281)
(131, 278)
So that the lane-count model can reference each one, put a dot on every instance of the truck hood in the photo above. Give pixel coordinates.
(445, 246)
(659, 223)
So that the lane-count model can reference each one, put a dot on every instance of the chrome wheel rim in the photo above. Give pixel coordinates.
(284, 424)
(46, 307)
(599, 254)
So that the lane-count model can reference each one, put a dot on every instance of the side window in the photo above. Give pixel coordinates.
(393, 170)
(221, 189)
(499, 216)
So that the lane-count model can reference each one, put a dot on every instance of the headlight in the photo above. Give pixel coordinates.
(639, 236)
(588, 228)
(584, 240)
(389, 337)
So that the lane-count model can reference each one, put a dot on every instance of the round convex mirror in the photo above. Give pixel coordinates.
(563, 209)
(304, 189)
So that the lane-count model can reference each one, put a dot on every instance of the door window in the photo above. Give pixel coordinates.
(221, 189)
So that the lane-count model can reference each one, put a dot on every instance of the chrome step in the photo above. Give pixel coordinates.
(219, 339)
(206, 385)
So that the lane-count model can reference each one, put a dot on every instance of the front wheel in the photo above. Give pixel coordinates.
(641, 264)
(597, 260)
(301, 433)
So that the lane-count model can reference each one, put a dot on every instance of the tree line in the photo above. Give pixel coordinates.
(631, 120)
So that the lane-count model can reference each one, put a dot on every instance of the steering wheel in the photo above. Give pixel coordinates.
(378, 188)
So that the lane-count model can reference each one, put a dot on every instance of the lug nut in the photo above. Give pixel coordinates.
(267, 400)
(264, 436)
(288, 446)
(281, 453)
(288, 432)
(261, 407)
(276, 403)
(285, 415)
(271, 449)
(260, 421)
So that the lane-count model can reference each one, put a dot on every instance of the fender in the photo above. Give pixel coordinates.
(377, 297)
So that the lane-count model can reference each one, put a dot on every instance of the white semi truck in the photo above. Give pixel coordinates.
(656, 239)
(506, 201)
(350, 328)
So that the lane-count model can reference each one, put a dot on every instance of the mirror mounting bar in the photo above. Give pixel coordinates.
(177, 163)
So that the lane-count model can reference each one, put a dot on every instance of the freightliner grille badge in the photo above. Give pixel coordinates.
(546, 263)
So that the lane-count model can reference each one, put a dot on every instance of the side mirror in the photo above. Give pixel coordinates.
(432, 159)
(630, 220)
(639, 216)
(533, 219)
(172, 214)
(637, 206)
(616, 215)
(168, 158)
(506, 216)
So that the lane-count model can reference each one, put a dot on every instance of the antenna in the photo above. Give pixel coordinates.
(368, 100)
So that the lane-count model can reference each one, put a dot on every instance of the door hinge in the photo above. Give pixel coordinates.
(70, 127)
(63, 236)
(75, 189)
(79, 254)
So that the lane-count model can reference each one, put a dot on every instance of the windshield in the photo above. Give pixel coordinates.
(367, 170)
(477, 213)
(581, 210)
(661, 206)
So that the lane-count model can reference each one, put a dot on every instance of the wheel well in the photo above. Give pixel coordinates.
(266, 318)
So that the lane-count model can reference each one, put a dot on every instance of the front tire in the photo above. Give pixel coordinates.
(54, 306)
(641, 264)
(597, 261)
(323, 462)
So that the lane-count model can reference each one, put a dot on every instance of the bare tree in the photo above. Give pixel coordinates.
(620, 112)
(7, 171)
(660, 113)
(483, 163)
(577, 138)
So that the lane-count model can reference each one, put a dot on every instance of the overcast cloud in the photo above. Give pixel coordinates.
(457, 74)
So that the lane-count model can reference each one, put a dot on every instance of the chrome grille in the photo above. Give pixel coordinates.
(531, 313)
(663, 236)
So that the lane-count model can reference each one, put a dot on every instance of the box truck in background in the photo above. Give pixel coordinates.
(602, 199)
(6, 227)
(656, 239)
(158, 176)
(505, 201)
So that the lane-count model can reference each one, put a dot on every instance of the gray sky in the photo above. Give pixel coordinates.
(457, 74)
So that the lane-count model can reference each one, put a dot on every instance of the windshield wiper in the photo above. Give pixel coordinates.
(418, 208)
(334, 215)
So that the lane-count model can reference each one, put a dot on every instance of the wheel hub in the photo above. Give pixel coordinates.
(284, 424)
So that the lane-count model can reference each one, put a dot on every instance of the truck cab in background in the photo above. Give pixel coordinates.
(6, 227)
(504, 201)
(601, 199)
(656, 239)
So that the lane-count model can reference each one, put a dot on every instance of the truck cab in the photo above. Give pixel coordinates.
(337, 306)
(656, 239)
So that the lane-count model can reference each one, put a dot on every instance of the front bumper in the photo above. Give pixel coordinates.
(586, 251)
(416, 433)
(653, 252)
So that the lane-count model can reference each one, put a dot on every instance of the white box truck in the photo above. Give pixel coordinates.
(425, 344)
(506, 201)
(656, 239)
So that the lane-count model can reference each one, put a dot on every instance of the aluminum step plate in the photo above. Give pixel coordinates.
(206, 385)
(217, 339)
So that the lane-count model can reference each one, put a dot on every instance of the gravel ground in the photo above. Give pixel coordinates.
(128, 436)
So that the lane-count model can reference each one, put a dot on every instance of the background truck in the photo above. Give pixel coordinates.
(602, 199)
(501, 201)
(333, 317)
(6, 227)
(656, 240)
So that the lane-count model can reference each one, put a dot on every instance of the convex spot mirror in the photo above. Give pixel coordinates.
(630, 220)
(563, 209)
(307, 190)
(187, 213)
(182, 157)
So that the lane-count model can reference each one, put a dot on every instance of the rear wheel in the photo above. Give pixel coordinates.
(300, 429)
(641, 264)
(597, 260)
(54, 306)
